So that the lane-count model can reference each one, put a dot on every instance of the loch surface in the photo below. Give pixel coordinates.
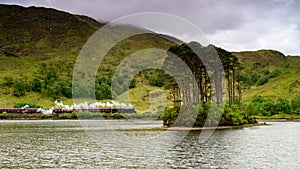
(119, 144)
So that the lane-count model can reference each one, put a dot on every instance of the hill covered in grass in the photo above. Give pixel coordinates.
(39, 48)
(40, 32)
(273, 74)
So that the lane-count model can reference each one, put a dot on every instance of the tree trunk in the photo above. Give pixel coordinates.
(196, 91)
(218, 87)
(233, 87)
(240, 95)
(229, 88)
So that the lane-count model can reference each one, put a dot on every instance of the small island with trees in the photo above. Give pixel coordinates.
(228, 106)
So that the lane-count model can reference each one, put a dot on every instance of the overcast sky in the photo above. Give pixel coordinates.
(236, 25)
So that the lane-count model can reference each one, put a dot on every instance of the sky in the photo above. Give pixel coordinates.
(235, 25)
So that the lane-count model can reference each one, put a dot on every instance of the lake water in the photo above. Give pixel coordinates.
(119, 144)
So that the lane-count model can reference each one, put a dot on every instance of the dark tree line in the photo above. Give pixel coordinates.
(187, 87)
(202, 90)
(232, 69)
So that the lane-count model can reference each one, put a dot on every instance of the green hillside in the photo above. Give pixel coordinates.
(39, 47)
(286, 84)
(42, 32)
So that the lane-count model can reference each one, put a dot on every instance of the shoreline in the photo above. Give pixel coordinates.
(212, 128)
(277, 120)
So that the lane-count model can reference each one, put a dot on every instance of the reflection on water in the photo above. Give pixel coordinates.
(64, 144)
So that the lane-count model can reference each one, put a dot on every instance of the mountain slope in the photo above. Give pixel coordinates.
(36, 31)
(41, 45)
(286, 84)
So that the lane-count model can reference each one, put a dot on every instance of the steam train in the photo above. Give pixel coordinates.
(62, 110)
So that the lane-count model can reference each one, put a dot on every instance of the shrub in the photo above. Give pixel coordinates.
(214, 112)
(46, 116)
(66, 88)
(262, 80)
(19, 88)
(266, 72)
(8, 81)
(259, 110)
(283, 106)
(104, 115)
(43, 116)
(156, 81)
(295, 105)
(169, 116)
(65, 116)
(258, 99)
(36, 85)
(233, 116)
(85, 115)
(97, 115)
(270, 107)
(103, 91)
(117, 115)
(187, 116)
(3, 115)
(73, 115)
(250, 110)
(30, 105)
(132, 84)
(254, 77)
(274, 74)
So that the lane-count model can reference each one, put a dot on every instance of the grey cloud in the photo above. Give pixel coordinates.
(209, 15)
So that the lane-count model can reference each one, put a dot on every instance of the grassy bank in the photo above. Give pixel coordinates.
(278, 117)
(73, 115)
(24, 116)
(213, 128)
(78, 115)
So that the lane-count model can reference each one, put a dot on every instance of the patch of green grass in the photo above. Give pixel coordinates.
(279, 116)
(147, 98)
